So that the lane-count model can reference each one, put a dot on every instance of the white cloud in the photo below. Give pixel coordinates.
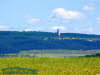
(34, 29)
(91, 0)
(33, 20)
(59, 27)
(28, 29)
(3, 28)
(84, 30)
(89, 30)
(97, 20)
(62, 14)
(87, 8)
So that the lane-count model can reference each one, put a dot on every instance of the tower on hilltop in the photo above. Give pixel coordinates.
(58, 32)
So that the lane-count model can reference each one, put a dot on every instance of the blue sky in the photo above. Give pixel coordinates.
(74, 16)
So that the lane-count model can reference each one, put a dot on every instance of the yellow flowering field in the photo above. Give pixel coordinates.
(55, 65)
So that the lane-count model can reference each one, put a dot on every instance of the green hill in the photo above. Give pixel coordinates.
(14, 41)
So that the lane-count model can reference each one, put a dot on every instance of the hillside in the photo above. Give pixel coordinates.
(14, 41)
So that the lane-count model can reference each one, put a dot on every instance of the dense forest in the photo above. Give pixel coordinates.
(14, 41)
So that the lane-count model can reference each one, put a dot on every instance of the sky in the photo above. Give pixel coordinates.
(70, 16)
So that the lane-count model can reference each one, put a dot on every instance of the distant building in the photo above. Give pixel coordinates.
(58, 32)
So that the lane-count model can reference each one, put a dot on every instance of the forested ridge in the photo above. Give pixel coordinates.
(14, 41)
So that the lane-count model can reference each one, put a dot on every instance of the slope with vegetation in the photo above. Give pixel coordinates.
(14, 41)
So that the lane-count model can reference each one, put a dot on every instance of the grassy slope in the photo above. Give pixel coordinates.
(56, 66)
(14, 42)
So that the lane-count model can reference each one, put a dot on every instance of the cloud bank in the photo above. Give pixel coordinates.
(62, 14)
(84, 30)
(58, 27)
(88, 8)
(98, 20)
(3, 28)
(33, 20)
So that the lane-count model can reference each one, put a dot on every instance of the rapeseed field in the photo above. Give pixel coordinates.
(54, 65)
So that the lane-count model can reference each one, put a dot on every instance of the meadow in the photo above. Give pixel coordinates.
(55, 65)
(56, 53)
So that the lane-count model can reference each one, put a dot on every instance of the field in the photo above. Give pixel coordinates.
(53, 53)
(55, 65)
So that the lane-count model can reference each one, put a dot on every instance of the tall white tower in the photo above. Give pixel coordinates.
(58, 32)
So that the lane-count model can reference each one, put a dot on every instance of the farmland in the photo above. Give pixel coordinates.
(52, 53)
(55, 65)
(58, 53)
